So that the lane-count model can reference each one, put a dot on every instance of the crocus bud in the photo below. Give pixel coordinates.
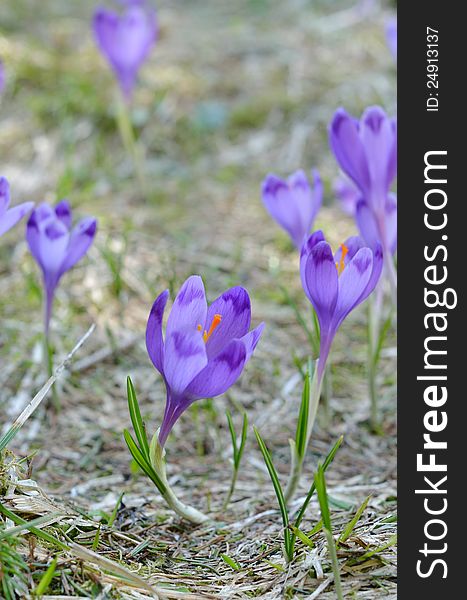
(56, 246)
(126, 39)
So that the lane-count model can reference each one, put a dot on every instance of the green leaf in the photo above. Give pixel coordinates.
(143, 463)
(328, 460)
(230, 561)
(137, 421)
(381, 338)
(301, 436)
(113, 516)
(46, 579)
(37, 532)
(243, 438)
(351, 524)
(279, 493)
(302, 536)
(320, 483)
(232, 435)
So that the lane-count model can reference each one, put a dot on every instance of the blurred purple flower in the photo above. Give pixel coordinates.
(366, 151)
(391, 36)
(336, 284)
(10, 216)
(205, 348)
(126, 39)
(293, 203)
(355, 206)
(56, 246)
(368, 226)
(348, 194)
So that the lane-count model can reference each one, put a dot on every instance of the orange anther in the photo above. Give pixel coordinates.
(215, 323)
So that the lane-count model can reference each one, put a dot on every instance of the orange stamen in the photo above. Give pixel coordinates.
(215, 323)
(341, 264)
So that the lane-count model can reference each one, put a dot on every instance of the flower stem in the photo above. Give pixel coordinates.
(158, 463)
(48, 349)
(184, 510)
(132, 147)
(375, 305)
(233, 483)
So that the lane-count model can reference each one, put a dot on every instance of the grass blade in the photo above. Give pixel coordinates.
(351, 524)
(243, 438)
(46, 579)
(320, 483)
(232, 435)
(136, 419)
(301, 436)
(327, 461)
(279, 493)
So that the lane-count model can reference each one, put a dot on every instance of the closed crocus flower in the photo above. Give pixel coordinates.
(56, 246)
(336, 283)
(126, 39)
(205, 348)
(293, 203)
(10, 216)
(366, 151)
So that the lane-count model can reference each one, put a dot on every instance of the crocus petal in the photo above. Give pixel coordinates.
(185, 356)
(4, 195)
(154, 338)
(368, 226)
(63, 212)
(13, 215)
(348, 149)
(53, 244)
(81, 238)
(220, 373)
(377, 267)
(378, 138)
(235, 309)
(251, 340)
(391, 222)
(189, 308)
(352, 284)
(353, 245)
(316, 237)
(319, 279)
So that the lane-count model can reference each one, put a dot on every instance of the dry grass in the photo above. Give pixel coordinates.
(230, 94)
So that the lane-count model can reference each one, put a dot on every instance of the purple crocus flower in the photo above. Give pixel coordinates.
(336, 284)
(293, 203)
(366, 151)
(355, 206)
(126, 39)
(10, 216)
(56, 246)
(205, 348)
(391, 37)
